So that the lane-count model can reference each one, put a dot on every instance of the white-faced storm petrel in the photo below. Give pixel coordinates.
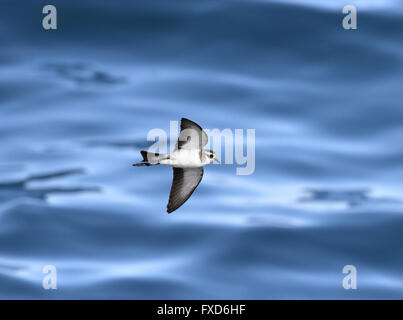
(187, 160)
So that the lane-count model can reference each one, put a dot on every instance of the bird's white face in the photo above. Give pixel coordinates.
(210, 154)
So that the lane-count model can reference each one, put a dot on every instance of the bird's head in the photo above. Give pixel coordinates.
(210, 154)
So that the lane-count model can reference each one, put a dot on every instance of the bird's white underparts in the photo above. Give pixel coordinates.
(187, 160)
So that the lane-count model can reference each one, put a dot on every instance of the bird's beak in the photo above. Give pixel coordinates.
(216, 160)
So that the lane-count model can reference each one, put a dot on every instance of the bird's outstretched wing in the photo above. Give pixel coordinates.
(184, 183)
(191, 136)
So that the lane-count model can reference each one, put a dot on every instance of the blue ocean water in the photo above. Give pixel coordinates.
(76, 104)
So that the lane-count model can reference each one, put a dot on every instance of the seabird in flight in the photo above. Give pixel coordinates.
(187, 161)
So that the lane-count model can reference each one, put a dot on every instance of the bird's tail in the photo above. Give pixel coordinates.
(150, 159)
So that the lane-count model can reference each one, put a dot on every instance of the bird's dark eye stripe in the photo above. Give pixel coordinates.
(211, 156)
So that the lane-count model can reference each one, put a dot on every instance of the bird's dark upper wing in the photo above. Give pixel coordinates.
(191, 136)
(184, 183)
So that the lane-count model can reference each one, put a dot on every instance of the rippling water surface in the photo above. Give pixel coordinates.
(76, 105)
